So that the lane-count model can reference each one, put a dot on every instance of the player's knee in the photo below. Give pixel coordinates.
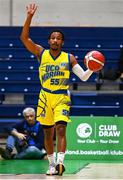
(61, 130)
(48, 134)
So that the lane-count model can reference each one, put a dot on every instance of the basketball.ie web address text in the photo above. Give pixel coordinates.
(97, 152)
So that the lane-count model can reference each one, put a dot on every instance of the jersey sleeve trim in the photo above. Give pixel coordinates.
(40, 58)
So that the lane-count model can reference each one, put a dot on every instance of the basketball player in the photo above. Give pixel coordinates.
(54, 103)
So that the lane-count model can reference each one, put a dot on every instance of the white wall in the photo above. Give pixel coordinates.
(65, 12)
(4, 12)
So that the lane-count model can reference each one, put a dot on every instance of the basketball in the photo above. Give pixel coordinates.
(94, 60)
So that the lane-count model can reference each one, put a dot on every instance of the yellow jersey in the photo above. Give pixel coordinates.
(54, 73)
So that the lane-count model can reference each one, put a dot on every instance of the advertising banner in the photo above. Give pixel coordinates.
(96, 138)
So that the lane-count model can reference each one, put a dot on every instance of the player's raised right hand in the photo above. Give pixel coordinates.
(31, 8)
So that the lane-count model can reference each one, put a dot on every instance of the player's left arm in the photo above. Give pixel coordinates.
(78, 70)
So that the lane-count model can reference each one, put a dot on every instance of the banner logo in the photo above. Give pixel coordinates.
(84, 130)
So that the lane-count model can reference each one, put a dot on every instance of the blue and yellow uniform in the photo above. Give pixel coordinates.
(54, 103)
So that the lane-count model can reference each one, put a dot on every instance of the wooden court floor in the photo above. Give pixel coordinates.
(35, 169)
(75, 169)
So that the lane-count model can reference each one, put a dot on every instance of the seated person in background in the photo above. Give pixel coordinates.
(109, 74)
(113, 73)
(27, 137)
(121, 64)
